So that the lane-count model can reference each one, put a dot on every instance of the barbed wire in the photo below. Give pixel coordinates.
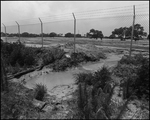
(93, 14)
(84, 18)
(83, 12)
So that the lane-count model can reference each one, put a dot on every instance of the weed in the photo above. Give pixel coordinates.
(40, 91)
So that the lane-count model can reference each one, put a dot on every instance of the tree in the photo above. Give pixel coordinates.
(25, 34)
(60, 35)
(69, 35)
(52, 34)
(78, 35)
(112, 36)
(2, 34)
(125, 32)
(95, 34)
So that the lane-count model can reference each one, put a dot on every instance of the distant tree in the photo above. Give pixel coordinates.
(60, 35)
(112, 36)
(69, 35)
(78, 35)
(52, 34)
(124, 32)
(2, 34)
(25, 34)
(45, 35)
(95, 34)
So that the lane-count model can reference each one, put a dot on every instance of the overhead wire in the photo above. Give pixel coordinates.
(76, 13)
(83, 15)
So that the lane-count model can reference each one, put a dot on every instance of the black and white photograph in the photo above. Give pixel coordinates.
(75, 60)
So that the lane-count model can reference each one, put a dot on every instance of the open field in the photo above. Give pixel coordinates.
(141, 44)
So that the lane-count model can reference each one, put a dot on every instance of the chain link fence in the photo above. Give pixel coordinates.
(55, 28)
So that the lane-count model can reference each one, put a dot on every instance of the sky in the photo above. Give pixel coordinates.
(12, 11)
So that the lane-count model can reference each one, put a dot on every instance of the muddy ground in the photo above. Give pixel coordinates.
(61, 86)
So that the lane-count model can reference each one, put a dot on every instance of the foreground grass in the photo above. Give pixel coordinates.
(96, 90)
(18, 58)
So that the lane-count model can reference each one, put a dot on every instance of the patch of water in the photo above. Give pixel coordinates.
(65, 78)
(54, 79)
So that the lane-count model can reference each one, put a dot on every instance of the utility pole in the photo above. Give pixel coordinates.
(41, 31)
(74, 30)
(18, 30)
(5, 33)
(132, 35)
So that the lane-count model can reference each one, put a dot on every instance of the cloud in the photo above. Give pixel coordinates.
(17, 10)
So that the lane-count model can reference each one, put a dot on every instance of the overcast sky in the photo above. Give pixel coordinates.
(12, 11)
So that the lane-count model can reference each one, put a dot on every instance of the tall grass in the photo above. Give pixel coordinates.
(40, 91)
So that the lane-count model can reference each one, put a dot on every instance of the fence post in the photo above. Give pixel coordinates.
(18, 30)
(5, 33)
(132, 34)
(74, 31)
(41, 31)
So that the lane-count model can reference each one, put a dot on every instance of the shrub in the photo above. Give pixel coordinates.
(48, 58)
(124, 70)
(40, 91)
(17, 53)
(52, 55)
(141, 83)
(102, 76)
(84, 78)
(17, 103)
(101, 55)
(136, 60)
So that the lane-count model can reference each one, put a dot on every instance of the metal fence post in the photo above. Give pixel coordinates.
(18, 30)
(74, 31)
(5, 33)
(132, 34)
(41, 31)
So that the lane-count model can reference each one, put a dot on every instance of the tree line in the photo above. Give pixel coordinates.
(120, 33)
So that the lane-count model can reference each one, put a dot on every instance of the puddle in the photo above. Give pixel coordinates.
(67, 77)
(55, 78)
(110, 61)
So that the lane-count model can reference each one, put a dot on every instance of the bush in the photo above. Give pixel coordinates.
(101, 55)
(16, 103)
(48, 58)
(135, 74)
(40, 91)
(17, 54)
(84, 78)
(136, 60)
(52, 55)
(124, 70)
(101, 77)
(141, 84)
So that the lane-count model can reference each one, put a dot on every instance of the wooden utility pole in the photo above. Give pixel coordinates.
(41, 31)
(132, 34)
(74, 31)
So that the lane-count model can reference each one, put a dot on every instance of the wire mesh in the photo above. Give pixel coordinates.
(105, 20)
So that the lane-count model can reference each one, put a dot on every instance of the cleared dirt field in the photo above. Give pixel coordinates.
(141, 44)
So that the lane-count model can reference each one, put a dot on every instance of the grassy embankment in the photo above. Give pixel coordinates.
(16, 100)
(96, 90)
